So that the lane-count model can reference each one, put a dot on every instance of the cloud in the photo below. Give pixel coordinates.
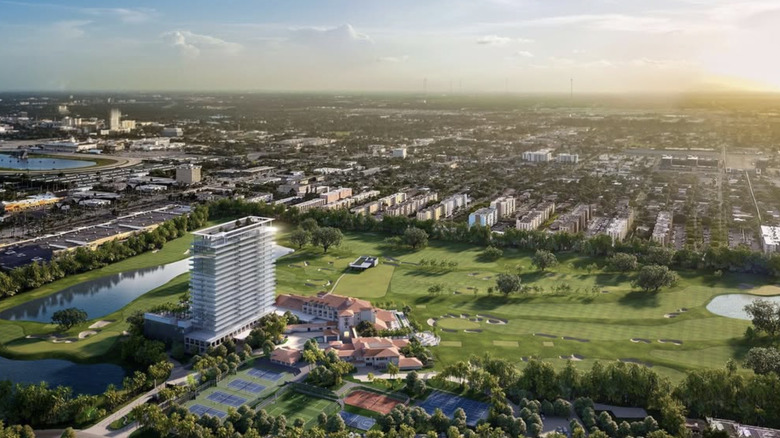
(125, 15)
(344, 35)
(393, 59)
(493, 40)
(626, 23)
(191, 44)
(70, 28)
(524, 54)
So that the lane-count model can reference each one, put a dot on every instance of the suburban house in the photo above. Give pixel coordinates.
(364, 262)
(286, 356)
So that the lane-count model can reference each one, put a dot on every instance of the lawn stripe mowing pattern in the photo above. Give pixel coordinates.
(607, 320)
(357, 421)
(296, 405)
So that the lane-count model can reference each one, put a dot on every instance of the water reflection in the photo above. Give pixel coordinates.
(98, 297)
(84, 379)
(9, 162)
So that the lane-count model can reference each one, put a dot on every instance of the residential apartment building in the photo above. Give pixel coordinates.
(336, 195)
(662, 232)
(434, 212)
(232, 280)
(540, 156)
(486, 217)
(770, 239)
(454, 203)
(412, 205)
(568, 158)
(188, 174)
(308, 205)
(536, 217)
(505, 206)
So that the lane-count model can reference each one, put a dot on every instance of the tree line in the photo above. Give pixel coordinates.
(34, 275)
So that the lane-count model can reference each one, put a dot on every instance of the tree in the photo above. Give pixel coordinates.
(765, 316)
(67, 318)
(366, 328)
(651, 278)
(68, 433)
(544, 259)
(309, 225)
(327, 237)
(392, 369)
(300, 237)
(491, 253)
(622, 262)
(763, 360)
(415, 237)
(508, 283)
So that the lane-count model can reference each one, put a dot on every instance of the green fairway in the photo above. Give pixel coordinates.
(368, 283)
(296, 405)
(595, 319)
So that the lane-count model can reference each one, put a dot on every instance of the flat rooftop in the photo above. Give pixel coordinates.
(231, 227)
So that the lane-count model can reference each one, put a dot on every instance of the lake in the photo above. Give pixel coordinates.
(83, 378)
(98, 297)
(9, 162)
(733, 305)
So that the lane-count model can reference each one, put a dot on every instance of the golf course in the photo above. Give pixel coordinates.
(598, 315)
(574, 311)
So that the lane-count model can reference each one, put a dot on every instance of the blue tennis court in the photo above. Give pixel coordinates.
(246, 386)
(265, 374)
(448, 403)
(357, 421)
(226, 399)
(203, 410)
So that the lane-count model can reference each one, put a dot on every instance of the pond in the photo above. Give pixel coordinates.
(733, 305)
(98, 297)
(83, 378)
(10, 162)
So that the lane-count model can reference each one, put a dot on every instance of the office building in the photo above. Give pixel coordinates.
(114, 117)
(232, 280)
(172, 132)
(188, 174)
(486, 217)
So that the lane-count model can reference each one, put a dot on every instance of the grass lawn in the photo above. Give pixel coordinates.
(96, 348)
(296, 405)
(595, 320)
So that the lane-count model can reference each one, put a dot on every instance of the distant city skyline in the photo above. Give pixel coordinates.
(526, 46)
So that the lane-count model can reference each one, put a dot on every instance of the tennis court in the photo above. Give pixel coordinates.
(246, 386)
(357, 421)
(371, 401)
(226, 399)
(265, 374)
(203, 410)
(448, 403)
(296, 405)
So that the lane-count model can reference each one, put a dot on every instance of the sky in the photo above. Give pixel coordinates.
(519, 46)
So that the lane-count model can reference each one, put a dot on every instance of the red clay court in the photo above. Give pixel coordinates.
(371, 401)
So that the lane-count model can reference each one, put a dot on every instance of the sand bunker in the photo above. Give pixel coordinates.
(36, 336)
(545, 335)
(640, 340)
(100, 324)
(431, 322)
(574, 357)
(671, 315)
(569, 338)
(472, 331)
(473, 274)
(464, 315)
(682, 309)
(496, 321)
(87, 333)
(62, 341)
(670, 341)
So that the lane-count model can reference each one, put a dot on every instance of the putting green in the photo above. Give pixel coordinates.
(457, 324)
